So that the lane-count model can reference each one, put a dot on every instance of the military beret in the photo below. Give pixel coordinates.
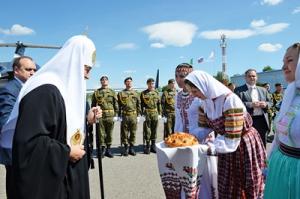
(127, 78)
(171, 81)
(150, 80)
(103, 77)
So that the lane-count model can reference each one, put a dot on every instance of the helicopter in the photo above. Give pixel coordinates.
(6, 69)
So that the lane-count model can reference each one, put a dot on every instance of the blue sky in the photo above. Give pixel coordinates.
(137, 37)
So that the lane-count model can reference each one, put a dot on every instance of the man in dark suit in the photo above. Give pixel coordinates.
(257, 102)
(23, 68)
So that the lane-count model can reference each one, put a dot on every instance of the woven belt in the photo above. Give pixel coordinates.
(289, 151)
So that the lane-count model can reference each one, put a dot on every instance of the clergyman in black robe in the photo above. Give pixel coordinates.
(40, 153)
(47, 127)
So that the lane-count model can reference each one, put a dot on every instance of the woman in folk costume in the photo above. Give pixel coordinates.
(48, 157)
(241, 154)
(187, 118)
(283, 177)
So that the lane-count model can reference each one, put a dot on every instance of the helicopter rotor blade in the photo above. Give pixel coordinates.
(8, 45)
(28, 45)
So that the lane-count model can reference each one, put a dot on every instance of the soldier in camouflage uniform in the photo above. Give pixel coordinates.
(270, 110)
(129, 110)
(168, 107)
(151, 109)
(277, 98)
(106, 98)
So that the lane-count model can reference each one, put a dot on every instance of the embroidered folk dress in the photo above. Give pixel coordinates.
(283, 178)
(187, 113)
(240, 170)
(187, 120)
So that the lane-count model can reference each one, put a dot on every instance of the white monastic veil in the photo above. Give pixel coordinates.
(65, 71)
(211, 88)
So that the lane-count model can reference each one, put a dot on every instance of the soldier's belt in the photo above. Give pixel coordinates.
(128, 113)
(151, 110)
(108, 111)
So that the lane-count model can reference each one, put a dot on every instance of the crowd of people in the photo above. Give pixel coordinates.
(44, 124)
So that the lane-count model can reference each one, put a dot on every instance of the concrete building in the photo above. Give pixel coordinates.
(271, 77)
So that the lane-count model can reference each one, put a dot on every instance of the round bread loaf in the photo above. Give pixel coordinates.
(180, 139)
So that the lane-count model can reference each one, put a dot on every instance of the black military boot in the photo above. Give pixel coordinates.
(147, 148)
(153, 147)
(102, 151)
(108, 152)
(125, 152)
(131, 150)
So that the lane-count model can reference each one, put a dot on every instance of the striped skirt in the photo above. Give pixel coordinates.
(283, 179)
(240, 172)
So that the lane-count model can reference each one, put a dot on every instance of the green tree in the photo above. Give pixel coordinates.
(222, 77)
(267, 68)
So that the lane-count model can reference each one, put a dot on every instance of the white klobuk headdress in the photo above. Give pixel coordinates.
(65, 71)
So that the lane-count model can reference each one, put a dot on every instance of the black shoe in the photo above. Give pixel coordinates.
(125, 152)
(131, 151)
(153, 148)
(147, 150)
(108, 153)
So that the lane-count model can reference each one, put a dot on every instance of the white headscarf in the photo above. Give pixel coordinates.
(289, 93)
(211, 88)
(65, 71)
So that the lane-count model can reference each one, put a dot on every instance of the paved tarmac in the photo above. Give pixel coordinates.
(132, 177)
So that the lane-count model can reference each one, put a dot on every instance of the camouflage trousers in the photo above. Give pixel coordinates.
(150, 127)
(128, 130)
(169, 125)
(105, 128)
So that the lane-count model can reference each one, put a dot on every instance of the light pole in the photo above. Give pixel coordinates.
(223, 45)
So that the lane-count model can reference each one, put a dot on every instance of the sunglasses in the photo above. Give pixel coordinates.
(30, 69)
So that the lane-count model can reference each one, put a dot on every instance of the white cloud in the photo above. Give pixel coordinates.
(182, 57)
(257, 27)
(296, 10)
(125, 46)
(257, 23)
(268, 47)
(273, 28)
(270, 2)
(157, 45)
(174, 33)
(17, 29)
(232, 34)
